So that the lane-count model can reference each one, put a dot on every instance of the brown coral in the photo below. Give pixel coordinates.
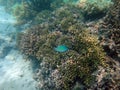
(111, 30)
(77, 64)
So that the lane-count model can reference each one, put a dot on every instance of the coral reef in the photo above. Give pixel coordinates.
(68, 39)
(63, 70)
(42, 16)
(94, 9)
(111, 31)
(108, 78)
(23, 14)
(39, 5)
(112, 19)
(28, 10)
(57, 4)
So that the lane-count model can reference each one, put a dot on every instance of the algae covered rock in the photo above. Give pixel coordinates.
(94, 9)
(75, 65)
(112, 19)
(111, 30)
(26, 11)
(23, 14)
(61, 70)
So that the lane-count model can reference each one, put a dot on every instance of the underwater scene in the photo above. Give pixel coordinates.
(59, 44)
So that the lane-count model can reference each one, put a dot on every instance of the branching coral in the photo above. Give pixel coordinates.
(23, 14)
(94, 9)
(112, 19)
(112, 30)
(75, 65)
(43, 16)
(39, 5)
(28, 10)
(82, 63)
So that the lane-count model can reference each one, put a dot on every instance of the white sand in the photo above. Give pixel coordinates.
(15, 71)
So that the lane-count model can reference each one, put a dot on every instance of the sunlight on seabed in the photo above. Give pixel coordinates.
(5, 18)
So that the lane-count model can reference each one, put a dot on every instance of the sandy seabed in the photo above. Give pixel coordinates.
(15, 72)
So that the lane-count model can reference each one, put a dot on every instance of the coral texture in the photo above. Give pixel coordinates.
(111, 31)
(94, 9)
(63, 70)
(28, 10)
